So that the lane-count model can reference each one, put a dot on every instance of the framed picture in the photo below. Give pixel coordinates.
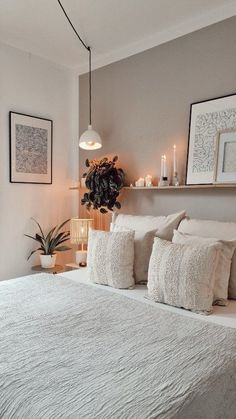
(226, 157)
(30, 149)
(207, 119)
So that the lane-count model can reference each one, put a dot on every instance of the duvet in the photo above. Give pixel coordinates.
(69, 350)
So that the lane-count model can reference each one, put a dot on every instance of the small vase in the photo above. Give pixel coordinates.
(48, 261)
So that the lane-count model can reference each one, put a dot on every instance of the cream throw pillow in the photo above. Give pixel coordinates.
(222, 273)
(146, 228)
(143, 242)
(110, 258)
(216, 229)
(182, 275)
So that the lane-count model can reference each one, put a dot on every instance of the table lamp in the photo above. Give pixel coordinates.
(79, 229)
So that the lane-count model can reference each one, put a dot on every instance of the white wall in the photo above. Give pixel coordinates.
(34, 86)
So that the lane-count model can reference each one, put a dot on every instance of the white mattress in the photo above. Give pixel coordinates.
(225, 316)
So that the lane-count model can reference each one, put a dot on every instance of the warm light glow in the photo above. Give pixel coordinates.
(174, 147)
(90, 145)
(79, 229)
(90, 140)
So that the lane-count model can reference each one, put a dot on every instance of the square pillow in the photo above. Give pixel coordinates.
(146, 228)
(216, 229)
(183, 276)
(143, 242)
(111, 258)
(222, 273)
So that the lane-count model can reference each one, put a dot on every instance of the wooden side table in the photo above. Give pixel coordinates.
(57, 269)
(72, 266)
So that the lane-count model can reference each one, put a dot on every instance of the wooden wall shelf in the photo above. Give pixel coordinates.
(181, 187)
(169, 188)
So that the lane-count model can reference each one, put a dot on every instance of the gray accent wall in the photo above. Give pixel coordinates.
(141, 107)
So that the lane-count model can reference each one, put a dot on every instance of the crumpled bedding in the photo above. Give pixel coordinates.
(69, 350)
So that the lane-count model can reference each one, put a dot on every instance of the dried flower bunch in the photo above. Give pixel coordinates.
(104, 182)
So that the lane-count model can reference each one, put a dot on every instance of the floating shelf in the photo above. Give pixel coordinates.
(170, 188)
(181, 187)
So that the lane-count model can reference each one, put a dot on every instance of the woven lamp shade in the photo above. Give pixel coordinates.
(79, 229)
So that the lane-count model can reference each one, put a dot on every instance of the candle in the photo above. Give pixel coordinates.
(148, 181)
(83, 180)
(174, 159)
(139, 182)
(164, 166)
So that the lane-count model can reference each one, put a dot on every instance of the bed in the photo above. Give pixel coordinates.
(70, 349)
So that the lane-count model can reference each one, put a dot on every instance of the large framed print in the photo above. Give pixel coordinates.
(226, 157)
(207, 119)
(30, 149)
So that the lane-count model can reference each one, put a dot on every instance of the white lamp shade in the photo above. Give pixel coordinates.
(90, 140)
(79, 229)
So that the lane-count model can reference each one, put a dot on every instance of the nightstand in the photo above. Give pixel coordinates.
(57, 269)
(71, 266)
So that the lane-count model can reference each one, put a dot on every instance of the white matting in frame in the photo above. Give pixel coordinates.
(30, 149)
(207, 119)
(226, 160)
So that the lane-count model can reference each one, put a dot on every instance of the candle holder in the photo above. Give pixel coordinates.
(163, 181)
(175, 180)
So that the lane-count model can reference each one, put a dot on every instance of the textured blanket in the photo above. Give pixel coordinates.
(70, 350)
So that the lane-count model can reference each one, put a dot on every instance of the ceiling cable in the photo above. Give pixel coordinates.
(90, 64)
(90, 140)
(71, 24)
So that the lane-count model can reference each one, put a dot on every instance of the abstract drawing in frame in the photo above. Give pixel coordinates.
(207, 119)
(30, 149)
(226, 157)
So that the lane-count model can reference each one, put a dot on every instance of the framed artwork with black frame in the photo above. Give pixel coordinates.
(207, 119)
(225, 170)
(30, 148)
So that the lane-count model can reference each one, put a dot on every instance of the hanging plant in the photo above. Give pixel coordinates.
(104, 182)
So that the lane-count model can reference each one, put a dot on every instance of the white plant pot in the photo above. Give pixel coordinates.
(48, 261)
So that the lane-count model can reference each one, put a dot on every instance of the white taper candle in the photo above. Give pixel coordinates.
(164, 166)
(174, 159)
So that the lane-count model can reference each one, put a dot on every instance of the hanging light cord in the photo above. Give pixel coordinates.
(90, 59)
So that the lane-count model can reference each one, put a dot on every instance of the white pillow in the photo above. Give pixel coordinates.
(226, 250)
(111, 258)
(143, 241)
(182, 275)
(214, 229)
(138, 222)
(146, 228)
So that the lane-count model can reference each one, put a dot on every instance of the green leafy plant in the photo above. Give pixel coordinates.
(104, 182)
(51, 242)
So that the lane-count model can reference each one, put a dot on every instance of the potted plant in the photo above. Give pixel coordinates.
(50, 243)
(104, 182)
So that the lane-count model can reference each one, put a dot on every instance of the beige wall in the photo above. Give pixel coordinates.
(32, 85)
(141, 108)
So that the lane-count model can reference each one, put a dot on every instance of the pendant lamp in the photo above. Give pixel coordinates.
(90, 139)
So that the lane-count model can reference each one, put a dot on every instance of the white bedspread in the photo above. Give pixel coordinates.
(71, 350)
(225, 316)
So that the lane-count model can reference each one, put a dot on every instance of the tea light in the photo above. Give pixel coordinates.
(148, 181)
(140, 182)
